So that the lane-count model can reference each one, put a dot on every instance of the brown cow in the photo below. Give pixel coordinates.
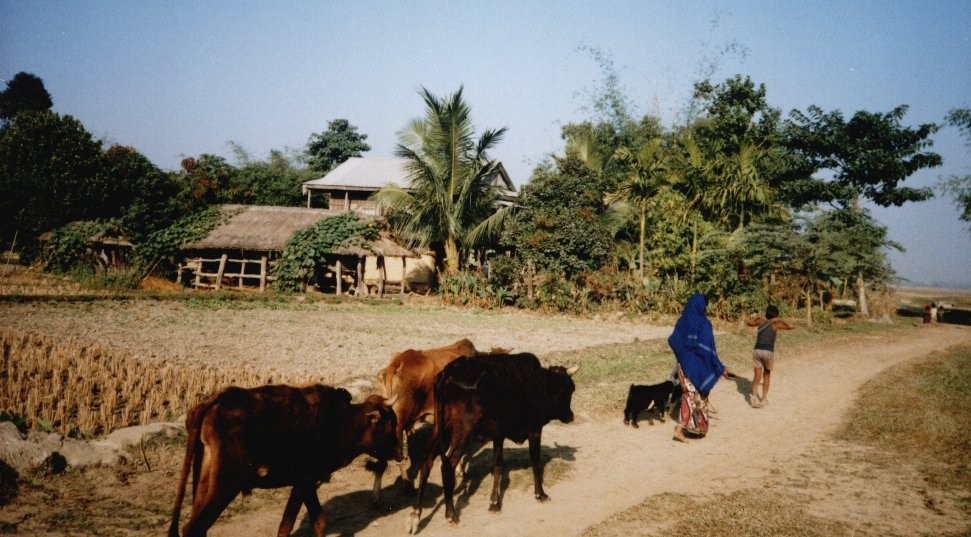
(410, 380)
(276, 436)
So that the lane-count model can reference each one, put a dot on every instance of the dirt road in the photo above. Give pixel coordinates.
(599, 467)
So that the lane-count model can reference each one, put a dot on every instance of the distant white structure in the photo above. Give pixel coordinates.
(351, 184)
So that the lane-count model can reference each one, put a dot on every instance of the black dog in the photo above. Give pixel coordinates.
(641, 398)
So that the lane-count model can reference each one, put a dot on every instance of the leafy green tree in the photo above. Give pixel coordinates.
(646, 176)
(959, 187)
(275, 181)
(333, 146)
(868, 156)
(559, 223)
(24, 92)
(849, 243)
(49, 176)
(451, 199)
(144, 197)
(208, 180)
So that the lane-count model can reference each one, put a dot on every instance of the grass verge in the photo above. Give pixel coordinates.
(916, 414)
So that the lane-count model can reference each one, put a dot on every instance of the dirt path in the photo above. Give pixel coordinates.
(609, 467)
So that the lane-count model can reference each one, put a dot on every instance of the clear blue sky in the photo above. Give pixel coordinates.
(180, 78)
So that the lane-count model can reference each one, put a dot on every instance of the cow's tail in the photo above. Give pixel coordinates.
(193, 448)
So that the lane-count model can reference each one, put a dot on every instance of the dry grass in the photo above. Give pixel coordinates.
(921, 412)
(86, 390)
(911, 422)
(747, 512)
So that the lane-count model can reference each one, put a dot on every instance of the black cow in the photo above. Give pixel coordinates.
(653, 397)
(493, 397)
(276, 436)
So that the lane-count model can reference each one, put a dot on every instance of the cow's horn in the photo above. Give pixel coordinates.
(573, 370)
(373, 416)
(391, 402)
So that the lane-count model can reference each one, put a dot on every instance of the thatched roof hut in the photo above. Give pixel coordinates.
(258, 228)
(257, 234)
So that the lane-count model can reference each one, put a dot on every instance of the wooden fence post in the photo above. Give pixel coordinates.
(222, 269)
(404, 275)
(340, 279)
(262, 273)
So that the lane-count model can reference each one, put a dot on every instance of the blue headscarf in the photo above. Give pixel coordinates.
(693, 343)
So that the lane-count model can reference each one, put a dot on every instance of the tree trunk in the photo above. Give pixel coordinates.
(694, 249)
(861, 294)
(451, 256)
(641, 265)
(809, 307)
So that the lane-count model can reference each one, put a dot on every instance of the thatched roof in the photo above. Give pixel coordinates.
(265, 228)
(384, 245)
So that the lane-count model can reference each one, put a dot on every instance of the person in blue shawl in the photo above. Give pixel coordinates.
(693, 343)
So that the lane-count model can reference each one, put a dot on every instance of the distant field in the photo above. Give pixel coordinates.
(959, 298)
(956, 302)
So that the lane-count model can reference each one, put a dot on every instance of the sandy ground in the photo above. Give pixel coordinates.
(596, 466)
(610, 467)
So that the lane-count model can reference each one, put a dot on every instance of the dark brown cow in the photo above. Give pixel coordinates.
(493, 397)
(410, 380)
(276, 436)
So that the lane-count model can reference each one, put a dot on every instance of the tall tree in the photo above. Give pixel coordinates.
(646, 175)
(49, 175)
(959, 187)
(145, 197)
(274, 181)
(338, 143)
(24, 92)
(207, 180)
(868, 156)
(559, 224)
(450, 174)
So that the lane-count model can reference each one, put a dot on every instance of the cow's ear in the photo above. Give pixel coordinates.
(343, 396)
(573, 370)
(373, 416)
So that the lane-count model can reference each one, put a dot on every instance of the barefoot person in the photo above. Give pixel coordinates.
(699, 368)
(763, 357)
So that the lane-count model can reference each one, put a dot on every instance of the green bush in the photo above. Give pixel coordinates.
(159, 250)
(66, 249)
(308, 247)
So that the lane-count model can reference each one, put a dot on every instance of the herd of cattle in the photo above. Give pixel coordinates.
(277, 436)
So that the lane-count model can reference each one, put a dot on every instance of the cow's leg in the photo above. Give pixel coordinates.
(309, 495)
(534, 446)
(378, 467)
(206, 509)
(213, 494)
(495, 504)
(450, 460)
(289, 514)
(411, 525)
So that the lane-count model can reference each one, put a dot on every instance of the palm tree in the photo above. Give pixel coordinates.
(740, 190)
(644, 177)
(451, 202)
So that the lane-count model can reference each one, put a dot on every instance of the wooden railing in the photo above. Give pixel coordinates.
(214, 280)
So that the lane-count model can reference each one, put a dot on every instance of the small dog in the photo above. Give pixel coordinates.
(659, 397)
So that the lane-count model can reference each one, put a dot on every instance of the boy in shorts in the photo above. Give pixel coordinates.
(763, 357)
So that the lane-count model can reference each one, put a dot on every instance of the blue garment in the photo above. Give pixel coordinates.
(693, 343)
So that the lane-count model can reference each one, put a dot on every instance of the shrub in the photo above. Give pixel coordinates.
(309, 246)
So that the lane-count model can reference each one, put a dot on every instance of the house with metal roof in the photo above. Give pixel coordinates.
(350, 185)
